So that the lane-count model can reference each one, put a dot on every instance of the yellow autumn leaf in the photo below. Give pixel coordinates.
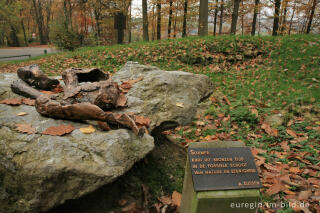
(88, 130)
(22, 114)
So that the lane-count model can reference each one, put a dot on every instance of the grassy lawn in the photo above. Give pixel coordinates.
(267, 94)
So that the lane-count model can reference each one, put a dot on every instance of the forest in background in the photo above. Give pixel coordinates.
(73, 23)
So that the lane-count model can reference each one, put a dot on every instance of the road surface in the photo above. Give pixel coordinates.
(16, 51)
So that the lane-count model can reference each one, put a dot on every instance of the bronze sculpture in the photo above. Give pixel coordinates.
(88, 93)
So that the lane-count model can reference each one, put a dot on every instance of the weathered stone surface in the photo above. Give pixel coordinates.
(38, 171)
(275, 120)
(160, 93)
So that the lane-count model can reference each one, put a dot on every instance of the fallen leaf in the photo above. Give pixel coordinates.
(295, 170)
(304, 195)
(165, 200)
(125, 87)
(200, 123)
(269, 130)
(25, 128)
(226, 100)
(180, 104)
(12, 101)
(255, 111)
(291, 133)
(284, 146)
(47, 92)
(57, 89)
(104, 125)
(58, 130)
(213, 99)
(28, 101)
(133, 81)
(123, 202)
(144, 121)
(176, 198)
(314, 181)
(88, 130)
(122, 100)
(22, 113)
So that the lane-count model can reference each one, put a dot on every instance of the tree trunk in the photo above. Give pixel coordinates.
(311, 16)
(203, 18)
(215, 19)
(255, 15)
(242, 19)
(129, 23)
(145, 20)
(153, 24)
(23, 30)
(159, 20)
(97, 18)
(170, 19)
(175, 24)
(235, 13)
(293, 11)
(185, 12)
(284, 20)
(221, 17)
(277, 4)
(13, 41)
(24, 33)
(39, 19)
(66, 16)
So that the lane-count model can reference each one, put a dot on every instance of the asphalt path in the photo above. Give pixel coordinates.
(33, 51)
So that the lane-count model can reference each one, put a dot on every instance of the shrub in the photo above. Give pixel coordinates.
(243, 114)
(64, 38)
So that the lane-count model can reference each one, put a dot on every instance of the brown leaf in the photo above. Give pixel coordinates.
(291, 133)
(122, 100)
(165, 200)
(58, 130)
(104, 125)
(295, 170)
(133, 81)
(284, 146)
(144, 121)
(213, 99)
(255, 111)
(28, 101)
(57, 89)
(12, 101)
(25, 128)
(274, 189)
(125, 87)
(176, 198)
(226, 100)
(314, 181)
(270, 131)
(47, 92)
(304, 195)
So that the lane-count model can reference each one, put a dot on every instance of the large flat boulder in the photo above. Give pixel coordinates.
(38, 172)
(168, 98)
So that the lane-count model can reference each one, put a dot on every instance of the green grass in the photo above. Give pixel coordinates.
(271, 74)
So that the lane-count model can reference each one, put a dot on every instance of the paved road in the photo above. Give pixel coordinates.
(33, 51)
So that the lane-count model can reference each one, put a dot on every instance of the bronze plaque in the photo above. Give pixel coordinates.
(223, 168)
